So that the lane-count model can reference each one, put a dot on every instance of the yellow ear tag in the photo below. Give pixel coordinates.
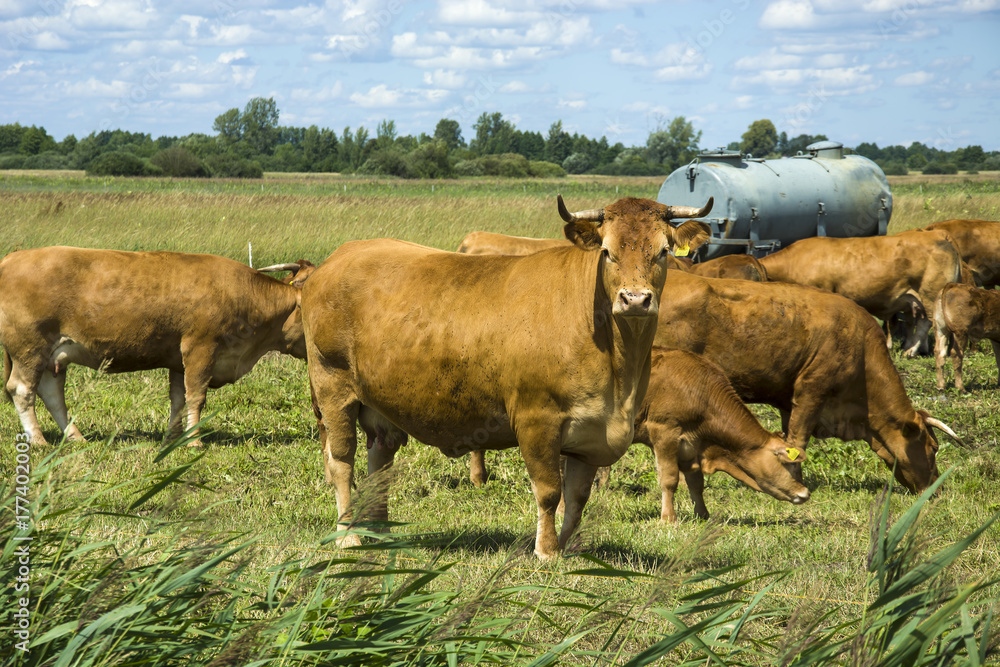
(792, 453)
(682, 251)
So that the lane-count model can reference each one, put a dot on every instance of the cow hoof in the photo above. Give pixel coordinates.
(547, 557)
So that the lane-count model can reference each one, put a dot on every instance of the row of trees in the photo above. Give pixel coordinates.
(250, 141)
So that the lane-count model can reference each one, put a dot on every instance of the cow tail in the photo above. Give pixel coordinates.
(8, 368)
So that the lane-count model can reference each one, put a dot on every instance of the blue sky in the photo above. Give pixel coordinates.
(888, 71)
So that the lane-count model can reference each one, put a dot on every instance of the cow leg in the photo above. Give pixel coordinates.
(957, 356)
(539, 446)
(941, 344)
(577, 483)
(696, 486)
(198, 363)
(175, 425)
(336, 411)
(22, 386)
(52, 391)
(382, 450)
(664, 445)
(477, 467)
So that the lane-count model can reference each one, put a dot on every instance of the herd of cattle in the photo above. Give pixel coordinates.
(569, 350)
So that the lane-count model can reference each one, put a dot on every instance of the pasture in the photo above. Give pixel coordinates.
(261, 477)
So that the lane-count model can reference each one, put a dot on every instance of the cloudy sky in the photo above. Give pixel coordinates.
(888, 71)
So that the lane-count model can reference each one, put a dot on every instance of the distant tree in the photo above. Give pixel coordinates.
(385, 134)
(529, 144)
(121, 163)
(917, 161)
(229, 126)
(10, 137)
(179, 162)
(68, 144)
(577, 163)
(260, 124)
(870, 151)
(970, 157)
(673, 146)
(558, 143)
(36, 140)
(318, 147)
(450, 132)
(800, 143)
(760, 139)
(494, 135)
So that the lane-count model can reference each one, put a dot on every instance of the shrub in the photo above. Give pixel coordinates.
(179, 162)
(227, 165)
(121, 163)
(47, 160)
(577, 163)
(430, 160)
(895, 168)
(387, 162)
(12, 161)
(540, 169)
(940, 168)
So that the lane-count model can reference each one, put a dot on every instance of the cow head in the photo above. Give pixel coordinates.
(635, 239)
(916, 467)
(773, 468)
(292, 335)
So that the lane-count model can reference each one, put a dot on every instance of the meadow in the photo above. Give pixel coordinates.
(762, 582)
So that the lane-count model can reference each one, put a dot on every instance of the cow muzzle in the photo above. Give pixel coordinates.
(800, 497)
(635, 303)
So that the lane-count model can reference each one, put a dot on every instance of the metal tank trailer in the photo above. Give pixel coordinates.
(762, 205)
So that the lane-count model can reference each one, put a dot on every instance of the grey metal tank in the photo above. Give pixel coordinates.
(762, 205)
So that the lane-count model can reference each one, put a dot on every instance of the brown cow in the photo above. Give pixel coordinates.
(206, 318)
(978, 242)
(882, 274)
(817, 357)
(548, 352)
(696, 424)
(739, 267)
(965, 312)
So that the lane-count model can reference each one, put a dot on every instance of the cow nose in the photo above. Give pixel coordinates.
(800, 497)
(634, 303)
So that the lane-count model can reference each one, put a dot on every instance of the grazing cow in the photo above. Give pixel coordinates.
(965, 312)
(206, 318)
(490, 243)
(882, 274)
(817, 357)
(739, 267)
(978, 242)
(548, 352)
(695, 423)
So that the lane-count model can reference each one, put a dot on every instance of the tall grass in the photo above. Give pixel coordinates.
(150, 596)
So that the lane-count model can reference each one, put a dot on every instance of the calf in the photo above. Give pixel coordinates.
(206, 319)
(965, 312)
(696, 424)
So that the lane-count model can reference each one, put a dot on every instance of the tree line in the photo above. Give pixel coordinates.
(250, 141)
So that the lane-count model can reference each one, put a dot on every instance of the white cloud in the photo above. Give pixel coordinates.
(94, 88)
(789, 15)
(572, 104)
(920, 78)
(443, 78)
(744, 102)
(771, 59)
(321, 95)
(833, 81)
(18, 66)
(406, 46)
(683, 72)
(110, 14)
(478, 13)
(381, 96)
(515, 87)
(229, 56)
(50, 41)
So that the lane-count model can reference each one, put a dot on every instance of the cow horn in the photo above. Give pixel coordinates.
(937, 423)
(590, 215)
(291, 266)
(688, 211)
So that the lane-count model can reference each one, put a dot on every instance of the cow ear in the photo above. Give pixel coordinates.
(689, 236)
(584, 234)
(787, 454)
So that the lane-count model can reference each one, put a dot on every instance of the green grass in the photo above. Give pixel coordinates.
(260, 479)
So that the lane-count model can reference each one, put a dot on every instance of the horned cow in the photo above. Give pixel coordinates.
(548, 352)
